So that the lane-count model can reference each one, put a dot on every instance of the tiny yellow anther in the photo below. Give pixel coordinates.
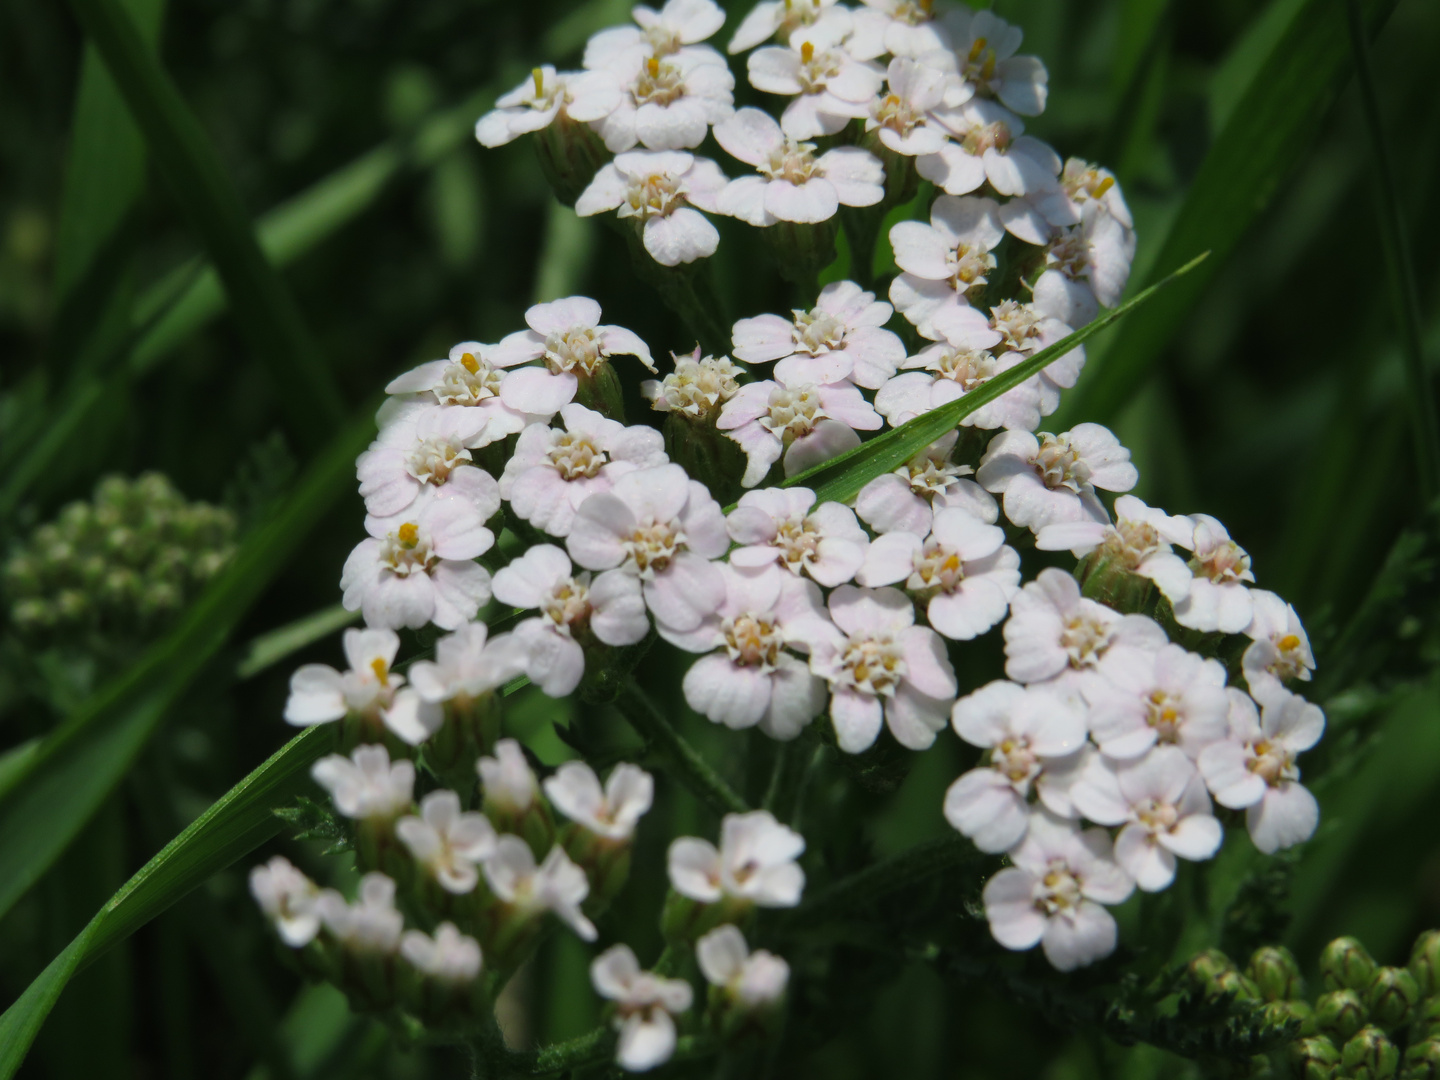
(652, 65)
(382, 671)
(409, 534)
(1104, 186)
(1288, 642)
(807, 51)
(977, 49)
(539, 77)
(469, 363)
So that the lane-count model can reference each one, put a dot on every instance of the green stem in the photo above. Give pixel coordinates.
(707, 785)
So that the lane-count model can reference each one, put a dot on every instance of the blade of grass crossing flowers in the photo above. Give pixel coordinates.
(844, 476)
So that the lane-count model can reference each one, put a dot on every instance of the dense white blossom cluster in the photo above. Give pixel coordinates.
(1118, 728)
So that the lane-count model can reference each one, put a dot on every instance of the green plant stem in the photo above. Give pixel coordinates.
(694, 772)
(895, 874)
(1396, 246)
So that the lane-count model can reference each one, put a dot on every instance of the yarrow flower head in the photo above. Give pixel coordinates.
(753, 980)
(367, 785)
(842, 338)
(467, 381)
(369, 689)
(670, 31)
(645, 1007)
(697, 388)
(611, 812)
(667, 102)
(1048, 478)
(664, 192)
(943, 261)
(557, 885)
(448, 842)
(544, 98)
(784, 526)
(828, 85)
(1219, 597)
(287, 897)
(450, 957)
(908, 498)
(754, 864)
(806, 423)
(371, 924)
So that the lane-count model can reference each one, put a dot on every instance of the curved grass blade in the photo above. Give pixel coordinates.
(269, 649)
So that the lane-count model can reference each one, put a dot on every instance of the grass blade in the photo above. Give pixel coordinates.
(269, 649)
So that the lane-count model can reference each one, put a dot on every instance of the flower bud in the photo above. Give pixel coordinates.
(1425, 962)
(1314, 1059)
(1284, 1012)
(1340, 1013)
(1345, 965)
(1369, 1055)
(1392, 996)
(1427, 1021)
(1422, 1061)
(1275, 973)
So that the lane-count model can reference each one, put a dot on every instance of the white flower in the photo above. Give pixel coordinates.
(1053, 478)
(371, 924)
(422, 448)
(751, 679)
(907, 498)
(1165, 695)
(696, 388)
(942, 261)
(1026, 329)
(1054, 892)
(664, 528)
(1084, 189)
(775, 19)
(1253, 768)
(755, 862)
(467, 664)
(878, 661)
(367, 785)
(1084, 264)
(568, 337)
(287, 897)
(774, 524)
(984, 46)
(1279, 649)
(506, 779)
(545, 97)
(1218, 598)
(841, 338)
(902, 27)
(645, 1007)
(669, 102)
(806, 423)
(794, 184)
(417, 566)
(961, 570)
(320, 694)
(902, 115)
(611, 812)
(449, 844)
(661, 188)
(467, 381)
(953, 370)
(1161, 803)
(1139, 541)
(666, 32)
(1055, 633)
(553, 471)
(754, 980)
(449, 957)
(989, 145)
(829, 86)
(1035, 738)
(611, 606)
(556, 885)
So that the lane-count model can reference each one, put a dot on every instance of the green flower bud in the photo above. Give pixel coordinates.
(1425, 962)
(1345, 965)
(1427, 1022)
(1207, 966)
(1340, 1013)
(71, 605)
(1275, 973)
(1392, 996)
(1314, 1059)
(1283, 1012)
(1369, 1055)
(1422, 1061)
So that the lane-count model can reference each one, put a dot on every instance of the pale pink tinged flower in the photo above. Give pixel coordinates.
(1055, 633)
(662, 190)
(287, 897)
(1053, 894)
(319, 694)
(806, 423)
(750, 679)
(1052, 478)
(1084, 189)
(794, 183)
(1218, 598)
(467, 664)
(696, 388)
(448, 843)
(952, 371)
(1086, 266)
(775, 19)
(1033, 737)
(989, 145)
(422, 449)
(785, 525)
(827, 84)
(371, 924)
(611, 812)
(1141, 697)
(902, 115)
(645, 1006)
(906, 499)
(841, 338)
(543, 98)
(557, 885)
(1027, 329)
(961, 571)
(1279, 649)
(667, 102)
(901, 27)
(506, 779)
(881, 665)
(755, 862)
(1253, 768)
(942, 261)
(469, 381)
(367, 784)
(984, 47)
(553, 471)
(449, 957)
(664, 528)
(753, 980)
(1161, 805)
(667, 32)
(1139, 542)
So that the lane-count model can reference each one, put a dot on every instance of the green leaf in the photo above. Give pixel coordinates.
(231, 828)
(847, 474)
(269, 649)
(49, 796)
(1268, 131)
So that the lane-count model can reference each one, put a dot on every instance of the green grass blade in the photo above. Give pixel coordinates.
(263, 306)
(845, 475)
(231, 828)
(1269, 130)
(269, 649)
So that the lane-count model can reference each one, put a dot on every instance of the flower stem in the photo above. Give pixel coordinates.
(706, 784)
